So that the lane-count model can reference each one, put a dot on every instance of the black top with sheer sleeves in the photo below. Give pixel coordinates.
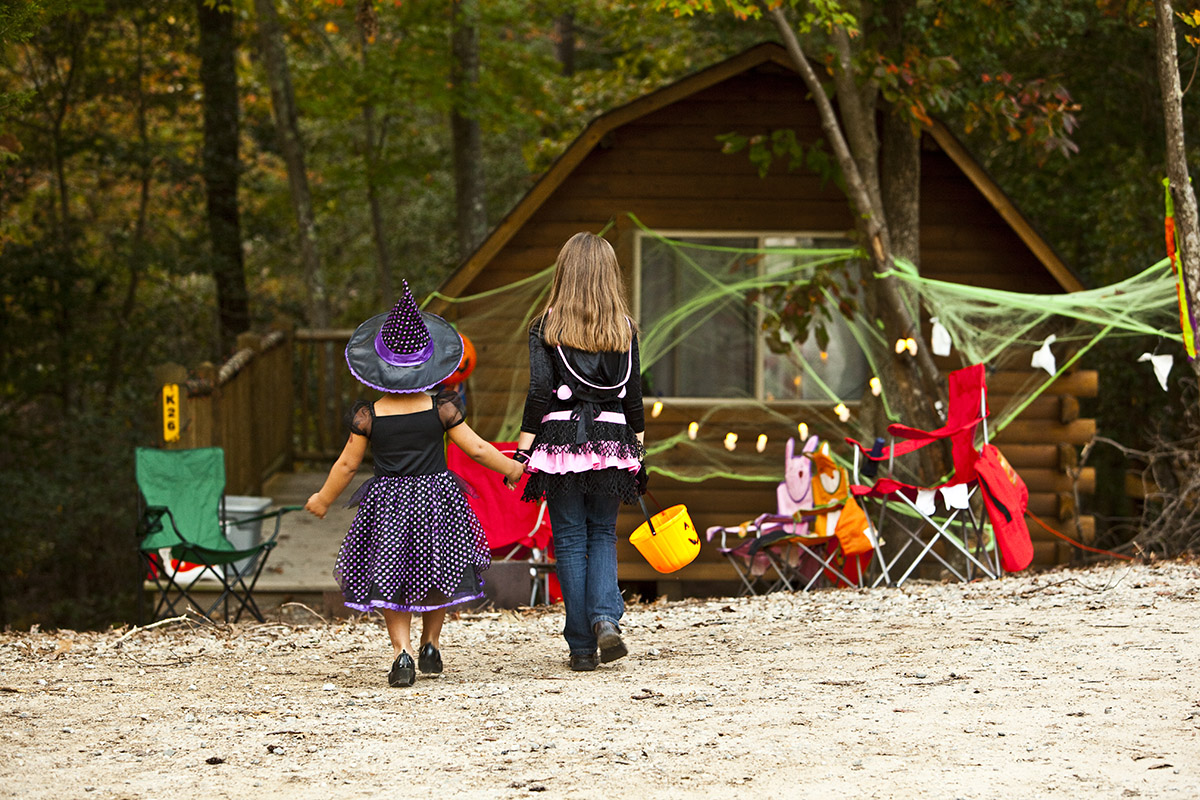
(408, 444)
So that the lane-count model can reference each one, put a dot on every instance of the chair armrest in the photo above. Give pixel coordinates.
(871, 453)
(277, 514)
(150, 522)
(945, 432)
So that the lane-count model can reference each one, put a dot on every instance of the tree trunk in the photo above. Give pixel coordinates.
(137, 252)
(900, 157)
(470, 204)
(218, 79)
(915, 379)
(368, 25)
(900, 185)
(62, 221)
(283, 105)
(856, 107)
(1187, 219)
(899, 167)
(564, 42)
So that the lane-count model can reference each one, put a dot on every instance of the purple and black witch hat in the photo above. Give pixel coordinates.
(404, 350)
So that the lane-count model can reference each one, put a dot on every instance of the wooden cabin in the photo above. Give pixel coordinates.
(658, 158)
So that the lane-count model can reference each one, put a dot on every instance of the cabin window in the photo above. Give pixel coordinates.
(705, 339)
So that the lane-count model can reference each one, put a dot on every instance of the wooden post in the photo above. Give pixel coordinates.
(172, 406)
(243, 444)
(205, 410)
(1068, 457)
(1068, 408)
(285, 389)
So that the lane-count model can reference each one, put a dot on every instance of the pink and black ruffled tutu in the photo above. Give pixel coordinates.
(605, 462)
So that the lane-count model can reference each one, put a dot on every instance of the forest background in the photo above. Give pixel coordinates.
(420, 123)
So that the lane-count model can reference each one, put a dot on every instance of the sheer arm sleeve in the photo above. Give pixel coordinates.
(541, 374)
(450, 408)
(631, 403)
(360, 418)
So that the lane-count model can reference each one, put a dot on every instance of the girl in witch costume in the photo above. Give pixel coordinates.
(582, 437)
(415, 544)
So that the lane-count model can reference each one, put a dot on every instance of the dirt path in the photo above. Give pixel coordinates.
(1078, 684)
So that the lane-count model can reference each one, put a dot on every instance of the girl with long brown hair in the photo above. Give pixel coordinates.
(582, 437)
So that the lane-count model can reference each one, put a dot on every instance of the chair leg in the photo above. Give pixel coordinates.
(780, 570)
(944, 533)
(826, 565)
(539, 574)
(741, 570)
(883, 564)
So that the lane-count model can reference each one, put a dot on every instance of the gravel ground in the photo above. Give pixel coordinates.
(1073, 683)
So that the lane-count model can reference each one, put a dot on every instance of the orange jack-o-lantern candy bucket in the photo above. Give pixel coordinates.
(668, 540)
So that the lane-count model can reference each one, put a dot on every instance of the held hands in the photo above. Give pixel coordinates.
(642, 478)
(316, 506)
(513, 473)
(515, 469)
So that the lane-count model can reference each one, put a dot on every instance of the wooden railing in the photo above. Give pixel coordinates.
(325, 391)
(244, 406)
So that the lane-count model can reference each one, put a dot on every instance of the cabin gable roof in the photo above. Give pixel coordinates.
(766, 54)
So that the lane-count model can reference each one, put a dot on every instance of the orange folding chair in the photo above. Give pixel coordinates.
(817, 530)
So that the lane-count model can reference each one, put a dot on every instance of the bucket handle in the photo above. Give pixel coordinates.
(649, 521)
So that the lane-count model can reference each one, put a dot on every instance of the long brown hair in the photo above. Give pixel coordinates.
(587, 298)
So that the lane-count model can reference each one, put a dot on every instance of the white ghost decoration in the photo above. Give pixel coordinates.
(941, 338)
(1162, 366)
(956, 496)
(1044, 358)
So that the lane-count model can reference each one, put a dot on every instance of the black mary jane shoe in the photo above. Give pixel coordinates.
(403, 673)
(584, 662)
(429, 659)
(609, 640)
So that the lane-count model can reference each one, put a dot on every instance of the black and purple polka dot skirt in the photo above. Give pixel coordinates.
(415, 545)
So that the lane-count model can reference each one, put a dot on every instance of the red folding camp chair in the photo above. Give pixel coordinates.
(516, 530)
(913, 510)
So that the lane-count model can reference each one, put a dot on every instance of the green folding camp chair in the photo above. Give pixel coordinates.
(182, 510)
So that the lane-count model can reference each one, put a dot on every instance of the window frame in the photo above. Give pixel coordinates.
(759, 344)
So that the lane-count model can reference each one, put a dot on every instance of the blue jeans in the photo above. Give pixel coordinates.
(585, 557)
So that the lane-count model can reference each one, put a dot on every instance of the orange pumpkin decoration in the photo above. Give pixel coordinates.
(466, 366)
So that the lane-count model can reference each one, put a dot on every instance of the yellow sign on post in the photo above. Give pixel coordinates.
(170, 406)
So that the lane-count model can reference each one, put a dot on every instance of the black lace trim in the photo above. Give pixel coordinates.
(619, 483)
(608, 438)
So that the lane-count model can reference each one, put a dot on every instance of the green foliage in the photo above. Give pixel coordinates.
(625, 51)
(102, 225)
(805, 308)
(18, 19)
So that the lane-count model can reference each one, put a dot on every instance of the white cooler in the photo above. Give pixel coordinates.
(243, 535)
